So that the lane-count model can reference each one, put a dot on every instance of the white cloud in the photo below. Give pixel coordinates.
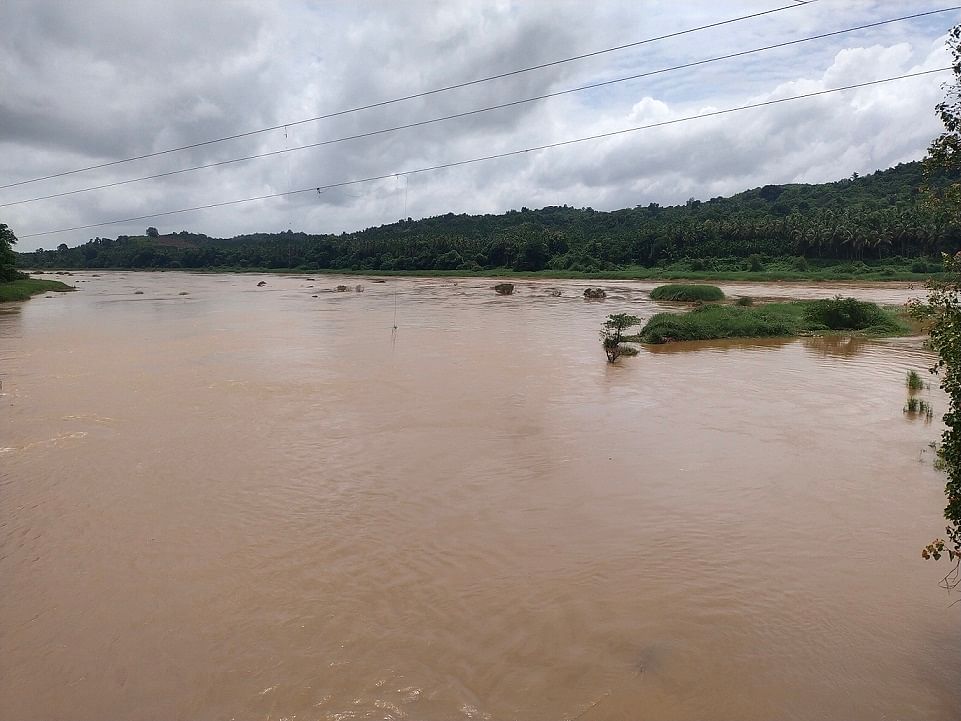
(82, 84)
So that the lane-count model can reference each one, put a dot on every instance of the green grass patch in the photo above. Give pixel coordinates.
(916, 406)
(23, 288)
(687, 292)
(913, 381)
(771, 320)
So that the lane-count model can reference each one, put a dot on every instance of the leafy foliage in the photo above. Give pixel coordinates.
(942, 311)
(8, 259)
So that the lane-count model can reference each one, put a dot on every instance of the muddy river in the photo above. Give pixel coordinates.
(425, 501)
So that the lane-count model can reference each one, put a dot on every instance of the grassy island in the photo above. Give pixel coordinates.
(23, 288)
(689, 292)
(770, 320)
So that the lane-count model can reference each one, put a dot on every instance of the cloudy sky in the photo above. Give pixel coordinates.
(85, 82)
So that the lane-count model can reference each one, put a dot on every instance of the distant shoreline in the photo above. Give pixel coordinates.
(813, 276)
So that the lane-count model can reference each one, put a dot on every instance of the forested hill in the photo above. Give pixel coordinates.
(867, 218)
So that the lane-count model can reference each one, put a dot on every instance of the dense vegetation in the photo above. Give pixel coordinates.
(687, 292)
(8, 258)
(873, 226)
(711, 322)
(942, 311)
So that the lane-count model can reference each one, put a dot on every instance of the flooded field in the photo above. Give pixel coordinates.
(426, 501)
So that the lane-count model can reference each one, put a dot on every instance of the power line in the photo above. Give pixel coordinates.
(412, 96)
(320, 188)
(477, 111)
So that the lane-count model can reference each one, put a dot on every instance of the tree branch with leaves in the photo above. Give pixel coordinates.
(941, 313)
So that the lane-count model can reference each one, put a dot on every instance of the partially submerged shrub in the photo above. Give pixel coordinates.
(594, 293)
(713, 321)
(744, 301)
(913, 381)
(916, 406)
(612, 335)
(849, 314)
(687, 292)
(504, 288)
(769, 320)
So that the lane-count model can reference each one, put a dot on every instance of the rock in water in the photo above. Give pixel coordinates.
(504, 288)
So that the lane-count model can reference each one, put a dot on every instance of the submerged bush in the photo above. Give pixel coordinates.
(714, 321)
(914, 381)
(849, 314)
(709, 322)
(915, 406)
(744, 300)
(612, 335)
(690, 292)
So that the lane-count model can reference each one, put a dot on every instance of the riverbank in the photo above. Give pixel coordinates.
(25, 288)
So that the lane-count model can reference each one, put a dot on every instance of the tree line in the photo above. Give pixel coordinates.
(867, 218)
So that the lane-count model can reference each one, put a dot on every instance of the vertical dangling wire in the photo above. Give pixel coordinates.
(289, 181)
(393, 332)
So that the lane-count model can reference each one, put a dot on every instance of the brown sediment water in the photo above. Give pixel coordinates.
(247, 502)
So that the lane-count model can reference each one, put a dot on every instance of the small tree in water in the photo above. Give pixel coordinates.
(612, 335)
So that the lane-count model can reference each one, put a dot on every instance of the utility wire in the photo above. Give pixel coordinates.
(412, 96)
(320, 188)
(477, 111)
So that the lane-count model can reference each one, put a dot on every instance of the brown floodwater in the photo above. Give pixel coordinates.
(252, 503)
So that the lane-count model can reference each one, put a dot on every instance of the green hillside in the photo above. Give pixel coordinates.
(854, 226)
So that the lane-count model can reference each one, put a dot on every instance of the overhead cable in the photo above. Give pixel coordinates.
(468, 113)
(495, 156)
(412, 96)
